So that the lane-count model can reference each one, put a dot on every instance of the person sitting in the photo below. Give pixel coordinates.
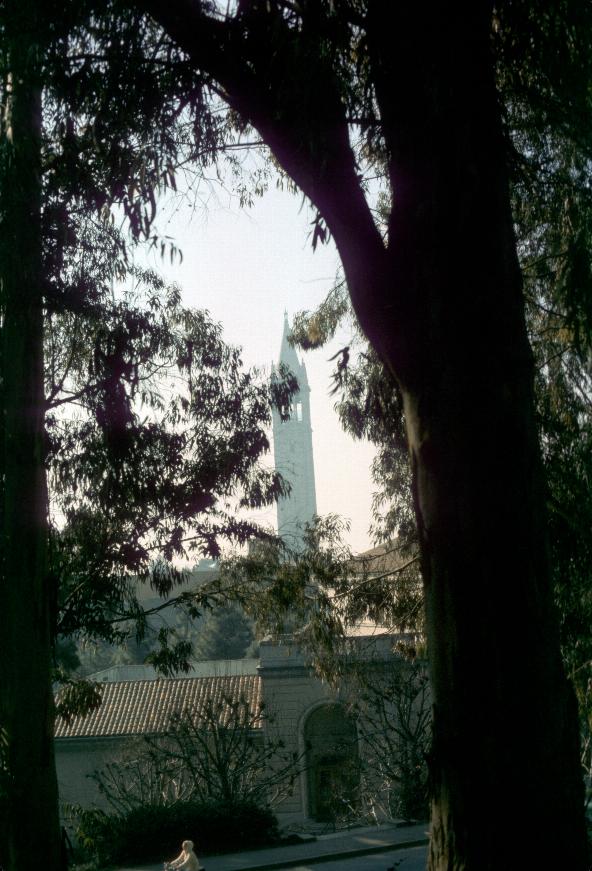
(186, 860)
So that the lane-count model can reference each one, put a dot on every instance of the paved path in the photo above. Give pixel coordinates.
(326, 848)
(403, 859)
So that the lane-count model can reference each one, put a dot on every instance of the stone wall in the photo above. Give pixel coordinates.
(291, 692)
(76, 760)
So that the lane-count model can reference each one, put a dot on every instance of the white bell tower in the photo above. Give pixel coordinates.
(292, 444)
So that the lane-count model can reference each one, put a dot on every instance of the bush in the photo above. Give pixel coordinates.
(151, 833)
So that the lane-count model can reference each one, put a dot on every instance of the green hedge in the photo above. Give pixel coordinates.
(154, 833)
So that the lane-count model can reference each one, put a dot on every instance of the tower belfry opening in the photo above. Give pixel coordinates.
(292, 443)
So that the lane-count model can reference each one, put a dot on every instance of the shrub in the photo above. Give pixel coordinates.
(221, 750)
(155, 832)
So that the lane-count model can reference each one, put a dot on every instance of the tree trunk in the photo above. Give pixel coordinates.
(26, 702)
(505, 749)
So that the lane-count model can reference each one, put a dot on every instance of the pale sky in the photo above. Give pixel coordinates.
(246, 267)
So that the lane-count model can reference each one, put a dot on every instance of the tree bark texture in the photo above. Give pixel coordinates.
(442, 304)
(26, 701)
(505, 744)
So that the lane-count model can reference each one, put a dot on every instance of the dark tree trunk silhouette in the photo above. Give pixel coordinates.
(505, 724)
(26, 706)
(442, 304)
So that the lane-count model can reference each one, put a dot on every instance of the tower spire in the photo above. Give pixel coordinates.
(288, 356)
(293, 455)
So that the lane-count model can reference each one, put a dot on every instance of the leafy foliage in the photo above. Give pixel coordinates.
(227, 633)
(151, 420)
(369, 406)
(76, 695)
(148, 832)
(124, 113)
(544, 72)
(322, 592)
(163, 449)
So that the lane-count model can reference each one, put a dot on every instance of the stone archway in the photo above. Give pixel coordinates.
(331, 742)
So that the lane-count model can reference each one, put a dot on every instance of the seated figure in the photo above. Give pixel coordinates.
(186, 860)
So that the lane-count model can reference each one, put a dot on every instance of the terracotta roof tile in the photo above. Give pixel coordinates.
(145, 706)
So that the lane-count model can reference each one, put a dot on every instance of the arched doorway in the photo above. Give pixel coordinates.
(331, 742)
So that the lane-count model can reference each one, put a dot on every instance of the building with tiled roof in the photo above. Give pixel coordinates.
(311, 718)
(145, 707)
(131, 709)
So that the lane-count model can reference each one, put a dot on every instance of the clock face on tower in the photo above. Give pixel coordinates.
(292, 440)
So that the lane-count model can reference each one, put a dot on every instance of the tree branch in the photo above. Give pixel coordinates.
(254, 58)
